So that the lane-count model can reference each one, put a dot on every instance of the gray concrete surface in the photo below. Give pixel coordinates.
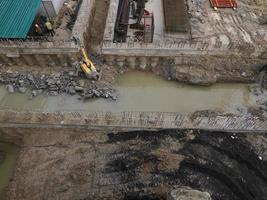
(134, 120)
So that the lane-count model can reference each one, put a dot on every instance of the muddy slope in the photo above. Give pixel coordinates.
(140, 165)
(223, 165)
(226, 167)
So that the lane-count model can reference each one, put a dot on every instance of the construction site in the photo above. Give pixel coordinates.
(133, 99)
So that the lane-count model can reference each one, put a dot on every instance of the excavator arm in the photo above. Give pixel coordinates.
(87, 66)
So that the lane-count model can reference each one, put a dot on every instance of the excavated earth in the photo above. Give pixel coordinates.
(95, 164)
(79, 164)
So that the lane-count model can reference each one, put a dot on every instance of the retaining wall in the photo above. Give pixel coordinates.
(134, 120)
(38, 53)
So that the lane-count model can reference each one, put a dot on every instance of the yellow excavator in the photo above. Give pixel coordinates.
(87, 66)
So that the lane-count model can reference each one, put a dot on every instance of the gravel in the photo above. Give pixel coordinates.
(67, 82)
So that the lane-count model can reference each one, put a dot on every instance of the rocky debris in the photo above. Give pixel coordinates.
(72, 73)
(255, 112)
(78, 89)
(22, 89)
(259, 90)
(263, 80)
(255, 89)
(10, 88)
(95, 92)
(205, 113)
(36, 92)
(97, 59)
(193, 75)
(186, 193)
(66, 82)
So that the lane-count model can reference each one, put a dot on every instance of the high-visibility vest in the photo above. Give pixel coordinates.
(49, 26)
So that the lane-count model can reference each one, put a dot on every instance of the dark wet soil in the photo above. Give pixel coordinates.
(140, 165)
(224, 165)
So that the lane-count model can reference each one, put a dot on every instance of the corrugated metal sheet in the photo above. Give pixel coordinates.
(175, 15)
(16, 17)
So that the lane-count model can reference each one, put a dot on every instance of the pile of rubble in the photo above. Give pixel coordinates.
(66, 82)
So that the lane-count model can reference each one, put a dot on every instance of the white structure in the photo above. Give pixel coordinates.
(51, 7)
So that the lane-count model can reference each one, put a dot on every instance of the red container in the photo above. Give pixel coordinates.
(223, 3)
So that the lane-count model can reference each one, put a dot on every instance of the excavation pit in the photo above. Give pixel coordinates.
(141, 91)
(124, 165)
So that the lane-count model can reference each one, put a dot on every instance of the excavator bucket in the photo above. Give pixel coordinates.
(88, 67)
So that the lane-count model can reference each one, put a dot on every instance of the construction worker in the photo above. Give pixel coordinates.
(49, 28)
(38, 30)
(69, 9)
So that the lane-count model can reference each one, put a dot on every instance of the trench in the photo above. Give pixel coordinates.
(8, 155)
(137, 91)
(141, 91)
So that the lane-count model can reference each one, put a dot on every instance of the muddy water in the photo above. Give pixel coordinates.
(19, 101)
(6, 167)
(139, 91)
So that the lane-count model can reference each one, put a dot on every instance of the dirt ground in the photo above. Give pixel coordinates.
(86, 164)
(140, 165)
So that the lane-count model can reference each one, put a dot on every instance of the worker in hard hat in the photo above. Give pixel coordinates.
(49, 28)
(38, 30)
(69, 9)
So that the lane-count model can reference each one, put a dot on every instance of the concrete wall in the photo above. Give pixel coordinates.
(133, 120)
(192, 68)
(39, 54)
